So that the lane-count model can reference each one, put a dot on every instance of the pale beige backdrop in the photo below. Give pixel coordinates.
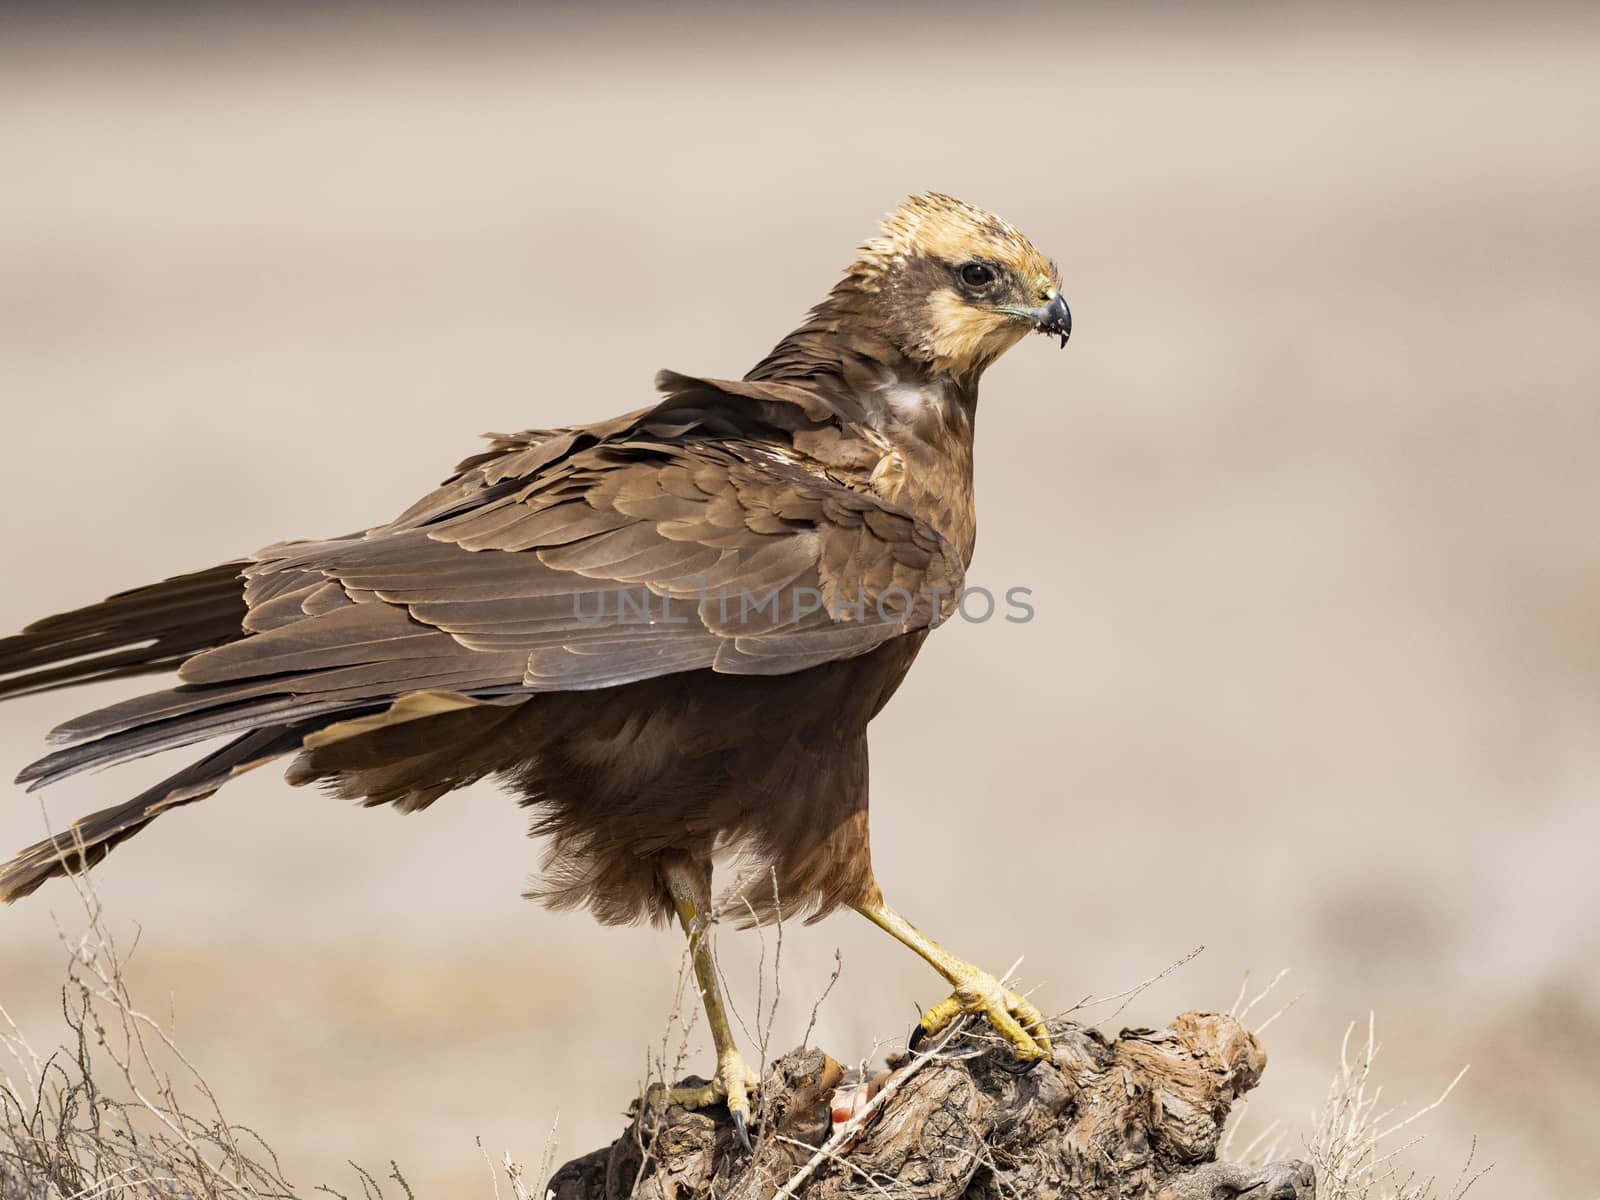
(1308, 509)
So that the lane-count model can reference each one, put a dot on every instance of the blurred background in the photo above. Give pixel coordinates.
(1308, 508)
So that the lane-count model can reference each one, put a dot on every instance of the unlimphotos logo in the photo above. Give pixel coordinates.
(783, 606)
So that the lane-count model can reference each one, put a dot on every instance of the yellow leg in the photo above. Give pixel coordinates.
(976, 992)
(690, 886)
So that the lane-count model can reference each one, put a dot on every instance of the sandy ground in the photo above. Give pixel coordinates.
(1308, 510)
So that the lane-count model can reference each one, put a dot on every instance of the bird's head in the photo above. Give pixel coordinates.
(955, 286)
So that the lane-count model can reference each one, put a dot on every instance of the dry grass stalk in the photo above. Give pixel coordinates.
(1353, 1143)
(119, 1112)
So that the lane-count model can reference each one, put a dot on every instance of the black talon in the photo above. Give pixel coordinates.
(918, 1036)
(739, 1128)
(1021, 1066)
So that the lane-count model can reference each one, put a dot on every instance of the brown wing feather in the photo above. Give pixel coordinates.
(138, 632)
(511, 578)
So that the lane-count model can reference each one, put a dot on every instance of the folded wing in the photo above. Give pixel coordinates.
(585, 559)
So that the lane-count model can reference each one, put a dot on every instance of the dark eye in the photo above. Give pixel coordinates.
(976, 275)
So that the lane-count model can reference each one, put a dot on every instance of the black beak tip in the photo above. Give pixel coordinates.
(1057, 319)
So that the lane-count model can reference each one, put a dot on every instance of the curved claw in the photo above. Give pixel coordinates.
(1012, 1016)
(732, 1085)
(1022, 1066)
(918, 1035)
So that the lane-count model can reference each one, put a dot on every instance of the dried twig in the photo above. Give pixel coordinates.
(842, 1136)
(1349, 1145)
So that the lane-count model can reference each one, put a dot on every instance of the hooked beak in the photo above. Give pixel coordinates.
(1053, 317)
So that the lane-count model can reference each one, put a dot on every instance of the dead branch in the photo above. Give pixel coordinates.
(1140, 1117)
(1137, 1117)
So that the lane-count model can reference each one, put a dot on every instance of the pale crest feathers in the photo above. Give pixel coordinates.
(948, 229)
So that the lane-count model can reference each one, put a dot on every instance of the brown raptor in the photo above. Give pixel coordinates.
(665, 633)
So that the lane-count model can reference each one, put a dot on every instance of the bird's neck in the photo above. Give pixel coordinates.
(926, 418)
(844, 349)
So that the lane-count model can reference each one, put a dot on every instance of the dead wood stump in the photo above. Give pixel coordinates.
(1137, 1118)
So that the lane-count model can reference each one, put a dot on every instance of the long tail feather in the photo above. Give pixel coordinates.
(157, 737)
(91, 838)
(137, 632)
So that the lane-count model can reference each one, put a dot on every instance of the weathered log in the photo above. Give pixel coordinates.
(1137, 1118)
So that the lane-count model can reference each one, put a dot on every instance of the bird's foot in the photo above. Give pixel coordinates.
(1014, 1017)
(732, 1084)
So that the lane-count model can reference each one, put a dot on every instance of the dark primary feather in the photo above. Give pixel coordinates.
(138, 632)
